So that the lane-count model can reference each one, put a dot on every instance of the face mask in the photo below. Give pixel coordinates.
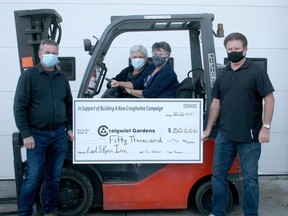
(50, 60)
(158, 60)
(138, 63)
(235, 56)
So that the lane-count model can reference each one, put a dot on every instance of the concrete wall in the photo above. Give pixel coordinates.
(263, 22)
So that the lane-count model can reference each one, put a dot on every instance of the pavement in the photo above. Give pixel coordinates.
(273, 201)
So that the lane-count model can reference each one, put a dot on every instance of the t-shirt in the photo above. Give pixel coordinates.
(241, 93)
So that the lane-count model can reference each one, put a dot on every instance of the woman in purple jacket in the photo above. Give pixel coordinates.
(158, 80)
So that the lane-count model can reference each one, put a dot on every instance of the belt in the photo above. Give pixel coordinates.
(52, 127)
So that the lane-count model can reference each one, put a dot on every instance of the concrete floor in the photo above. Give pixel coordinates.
(273, 201)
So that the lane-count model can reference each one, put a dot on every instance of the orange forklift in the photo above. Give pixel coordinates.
(130, 186)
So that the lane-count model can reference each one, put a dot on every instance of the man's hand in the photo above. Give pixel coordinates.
(29, 142)
(70, 135)
(264, 135)
(205, 135)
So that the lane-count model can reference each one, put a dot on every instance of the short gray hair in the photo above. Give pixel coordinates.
(48, 42)
(139, 48)
(162, 45)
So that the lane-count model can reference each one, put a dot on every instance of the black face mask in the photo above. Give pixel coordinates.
(235, 56)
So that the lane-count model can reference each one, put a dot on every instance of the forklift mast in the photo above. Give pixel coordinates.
(32, 26)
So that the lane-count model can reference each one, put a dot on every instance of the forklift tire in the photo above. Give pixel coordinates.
(76, 193)
(204, 198)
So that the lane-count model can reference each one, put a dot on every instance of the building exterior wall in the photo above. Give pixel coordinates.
(263, 22)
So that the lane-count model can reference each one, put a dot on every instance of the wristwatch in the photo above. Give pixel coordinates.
(268, 126)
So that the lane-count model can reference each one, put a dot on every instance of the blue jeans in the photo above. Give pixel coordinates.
(224, 155)
(48, 155)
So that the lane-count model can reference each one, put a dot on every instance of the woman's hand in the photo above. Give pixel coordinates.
(114, 83)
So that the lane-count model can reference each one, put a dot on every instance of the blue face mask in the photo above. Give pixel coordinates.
(138, 63)
(158, 60)
(50, 60)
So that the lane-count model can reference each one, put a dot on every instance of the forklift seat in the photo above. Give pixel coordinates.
(186, 88)
(199, 88)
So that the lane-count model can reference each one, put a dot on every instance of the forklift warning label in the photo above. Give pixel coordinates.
(137, 131)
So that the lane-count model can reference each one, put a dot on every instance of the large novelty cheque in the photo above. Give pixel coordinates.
(138, 131)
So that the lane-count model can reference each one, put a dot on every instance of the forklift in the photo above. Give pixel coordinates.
(130, 186)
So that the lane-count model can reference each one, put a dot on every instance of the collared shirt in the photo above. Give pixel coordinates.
(241, 93)
(42, 99)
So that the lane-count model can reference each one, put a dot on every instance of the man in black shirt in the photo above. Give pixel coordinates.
(43, 115)
(237, 100)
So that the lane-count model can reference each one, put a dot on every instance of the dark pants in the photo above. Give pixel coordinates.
(224, 155)
(49, 154)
